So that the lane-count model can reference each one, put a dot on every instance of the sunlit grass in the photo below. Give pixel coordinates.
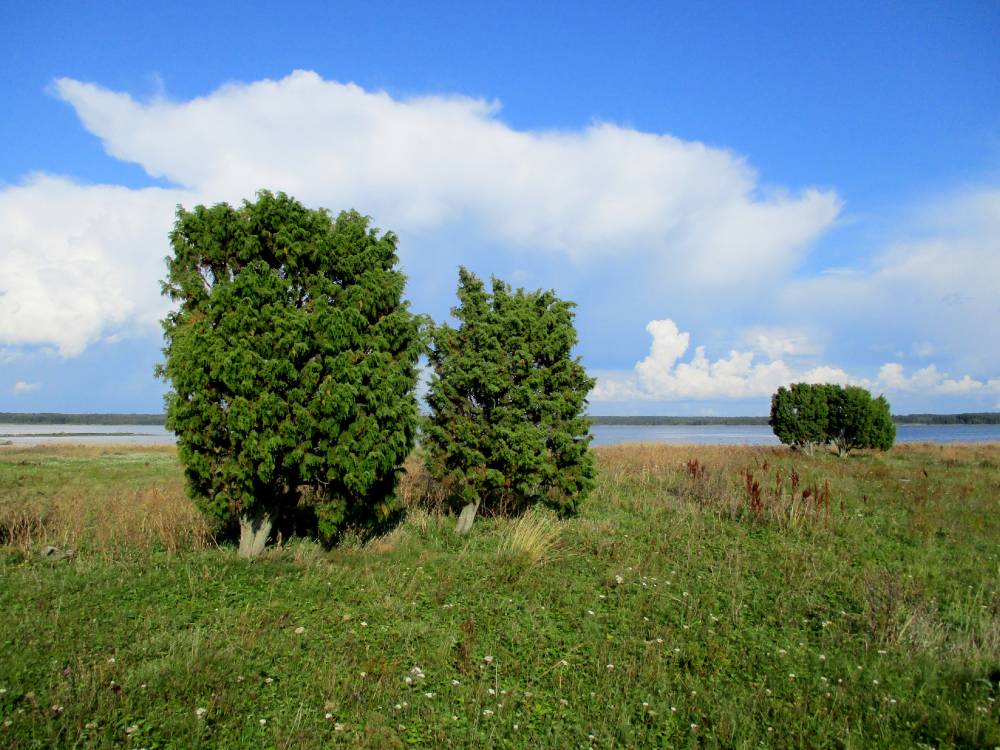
(674, 610)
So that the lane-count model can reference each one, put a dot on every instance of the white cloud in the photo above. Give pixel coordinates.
(79, 262)
(778, 342)
(22, 387)
(937, 285)
(930, 381)
(422, 162)
(661, 376)
(75, 259)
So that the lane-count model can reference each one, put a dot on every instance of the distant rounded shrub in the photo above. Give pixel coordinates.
(806, 415)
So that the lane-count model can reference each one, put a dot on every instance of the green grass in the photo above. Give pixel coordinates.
(666, 614)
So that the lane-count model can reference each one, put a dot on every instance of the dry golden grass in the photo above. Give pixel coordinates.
(17, 453)
(532, 538)
(113, 499)
(141, 519)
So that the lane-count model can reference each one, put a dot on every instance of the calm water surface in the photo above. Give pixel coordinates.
(38, 434)
(762, 435)
(85, 434)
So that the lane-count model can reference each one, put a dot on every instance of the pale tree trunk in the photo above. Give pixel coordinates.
(466, 518)
(254, 531)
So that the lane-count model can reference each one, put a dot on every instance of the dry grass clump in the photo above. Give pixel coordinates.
(531, 539)
(143, 519)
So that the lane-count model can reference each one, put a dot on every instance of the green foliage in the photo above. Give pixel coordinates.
(859, 421)
(805, 415)
(507, 427)
(292, 360)
(799, 415)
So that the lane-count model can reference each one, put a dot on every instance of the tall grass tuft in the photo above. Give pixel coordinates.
(531, 539)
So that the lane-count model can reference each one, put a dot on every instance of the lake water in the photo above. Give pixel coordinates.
(39, 434)
(762, 434)
(86, 434)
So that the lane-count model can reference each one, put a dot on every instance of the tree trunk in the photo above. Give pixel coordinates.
(466, 518)
(254, 531)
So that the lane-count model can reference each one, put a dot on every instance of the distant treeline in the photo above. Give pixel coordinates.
(665, 421)
(983, 417)
(157, 419)
(969, 418)
(55, 418)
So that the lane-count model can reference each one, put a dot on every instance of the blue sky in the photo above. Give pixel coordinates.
(736, 195)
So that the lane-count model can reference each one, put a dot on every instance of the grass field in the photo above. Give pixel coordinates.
(703, 597)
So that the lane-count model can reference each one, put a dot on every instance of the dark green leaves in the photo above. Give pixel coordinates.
(292, 360)
(805, 415)
(507, 427)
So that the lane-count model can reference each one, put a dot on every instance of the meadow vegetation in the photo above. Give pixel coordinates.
(702, 597)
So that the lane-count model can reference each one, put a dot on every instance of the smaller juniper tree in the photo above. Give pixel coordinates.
(859, 421)
(507, 427)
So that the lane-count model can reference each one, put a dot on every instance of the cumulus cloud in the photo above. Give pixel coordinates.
(22, 387)
(662, 376)
(78, 262)
(929, 380)
(422, 162)
(76, 259)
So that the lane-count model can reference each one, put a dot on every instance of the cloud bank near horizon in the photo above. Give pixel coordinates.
(663, 376)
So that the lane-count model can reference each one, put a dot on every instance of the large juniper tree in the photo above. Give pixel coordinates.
(292, 364)
(507, 427)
